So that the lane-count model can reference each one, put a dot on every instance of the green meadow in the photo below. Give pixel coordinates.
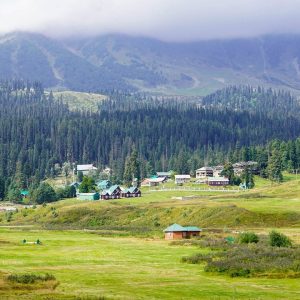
(115, 249)
(90, 266)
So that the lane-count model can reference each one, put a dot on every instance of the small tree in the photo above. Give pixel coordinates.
(87, 185)
(278, 239)
(229, 173)
(14, 195)
(70, 192)
(274, 168)
(247, 178)
(132, 169)
(44, 193)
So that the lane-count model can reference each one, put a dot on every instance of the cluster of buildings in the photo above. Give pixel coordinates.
(205, 175)
(108, 191)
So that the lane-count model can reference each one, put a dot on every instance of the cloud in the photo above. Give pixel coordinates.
(174, 20)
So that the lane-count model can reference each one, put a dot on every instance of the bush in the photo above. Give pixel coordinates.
(44, 193)
(196, 258)
(248, 238)
(250, 261)
(279, 240)
(29, 278)
(67, 192)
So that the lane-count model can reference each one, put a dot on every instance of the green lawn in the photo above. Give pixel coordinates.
(89, 266)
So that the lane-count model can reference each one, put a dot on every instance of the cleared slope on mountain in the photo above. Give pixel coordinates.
(80, 100)
(36, 57)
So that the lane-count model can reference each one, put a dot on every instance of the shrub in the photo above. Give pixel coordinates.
(248, 238)
(44, 193)
(29, 278)
(279, 240)
(196, 258)
(250, 261)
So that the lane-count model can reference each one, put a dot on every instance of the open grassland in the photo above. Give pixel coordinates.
(90, 266)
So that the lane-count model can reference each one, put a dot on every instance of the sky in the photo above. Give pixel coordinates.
(169, 20)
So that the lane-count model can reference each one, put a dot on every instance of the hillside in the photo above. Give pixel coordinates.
(267, 206)
(123, 62)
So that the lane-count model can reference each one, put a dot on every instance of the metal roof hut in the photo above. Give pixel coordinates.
(177, 232)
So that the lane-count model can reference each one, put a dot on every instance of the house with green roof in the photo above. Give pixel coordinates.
(178, 232)
(104, 184)
(114, 192)
(131, 192)
(24, 193)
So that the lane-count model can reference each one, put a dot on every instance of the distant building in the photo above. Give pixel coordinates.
(88, 196)
(153, 181)
(180, 179)
(131, 192)
(239, 167)
(85, 169)
(114, 192)
(164, 174)
(218, 170)
(204, 172)
(24, 193)
(176, 231)
(218, 181)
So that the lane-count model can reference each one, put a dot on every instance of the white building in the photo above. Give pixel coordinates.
(180, 179)
(85, 169)
(218, 181)
(204, 172)
(218, 170)
(153, 181)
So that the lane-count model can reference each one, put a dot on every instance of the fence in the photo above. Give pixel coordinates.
(188, 189)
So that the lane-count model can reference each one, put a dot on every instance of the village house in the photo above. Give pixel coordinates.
(85, 169)
(217, 170)
(240, 167)
(24, 193)
(218, 181)
(164, 174)
(131, 192)
(176, 232)
(180, 179)
(114, 192)
(153, 181)
(204, 172)
(88, 196)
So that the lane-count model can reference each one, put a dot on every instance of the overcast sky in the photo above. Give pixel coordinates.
(173, 20)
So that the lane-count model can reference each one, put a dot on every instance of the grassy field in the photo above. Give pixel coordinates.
(90, 266)
(115, 249)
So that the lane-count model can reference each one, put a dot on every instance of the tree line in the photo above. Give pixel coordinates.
(38, 132)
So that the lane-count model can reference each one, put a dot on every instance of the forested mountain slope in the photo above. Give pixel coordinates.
(37, 131)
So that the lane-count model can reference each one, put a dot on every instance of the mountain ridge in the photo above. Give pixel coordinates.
(138, 63)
